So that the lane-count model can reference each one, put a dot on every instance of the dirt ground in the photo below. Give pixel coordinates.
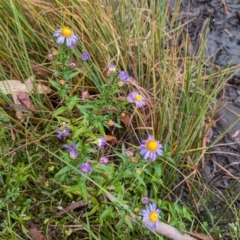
(219, 20)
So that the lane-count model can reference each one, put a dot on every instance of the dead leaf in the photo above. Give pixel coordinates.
(20, 106)
(34, 233)
(20, 117)
(125, 118)
(73, 206)
(24, 99)
(16, 86)
(110, 138)
(19, 92)
(235, 134)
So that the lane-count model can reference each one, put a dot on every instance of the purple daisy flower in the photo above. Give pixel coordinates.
(85, 168)
(123, 76)
(85, 56)
(62, 134)
(67, 34)
(102, 142)
(145, 200)
(150, 148)
(138, 99)
(151, 216)
(72, 64)
(104, 160)
(129, 153)
(84, 94)
(72, 150)
(110, 68)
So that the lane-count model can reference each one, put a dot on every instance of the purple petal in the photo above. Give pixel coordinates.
(60, 40)
(57, 33)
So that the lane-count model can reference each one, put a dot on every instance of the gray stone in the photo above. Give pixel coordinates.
(228, 118)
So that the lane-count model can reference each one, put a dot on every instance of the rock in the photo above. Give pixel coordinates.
(228, 118)
(237, 100)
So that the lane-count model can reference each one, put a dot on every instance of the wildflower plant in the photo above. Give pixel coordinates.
(151, 148)
(72, 150)
(66, 35)
(91, 117)
(85, 168)
(113, 141)
(136, 98)
(151, 215)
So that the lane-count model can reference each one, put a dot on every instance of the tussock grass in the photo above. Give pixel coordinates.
(145, 40)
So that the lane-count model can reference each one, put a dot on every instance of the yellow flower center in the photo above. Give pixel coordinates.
(134, 160)
(136, 209)
(153, 217)
(120, 84)
(61, 82)
(138, 98)
(152, 145)
(138, 171)
(111, 123)
(66, 32)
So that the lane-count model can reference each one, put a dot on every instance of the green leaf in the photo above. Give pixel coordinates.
(63, 119)
(71, 75)
(129, 223)
(169, 159)
(59, 111)
(72, 103)
(73, 189)
(94, 200)
(83, 189)
(54, 84)
(158, 171)
(140, 180)
(119, 188)
(107, 212)
(101, 129)
(94, 209)
(79, 132)
(64, 170)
